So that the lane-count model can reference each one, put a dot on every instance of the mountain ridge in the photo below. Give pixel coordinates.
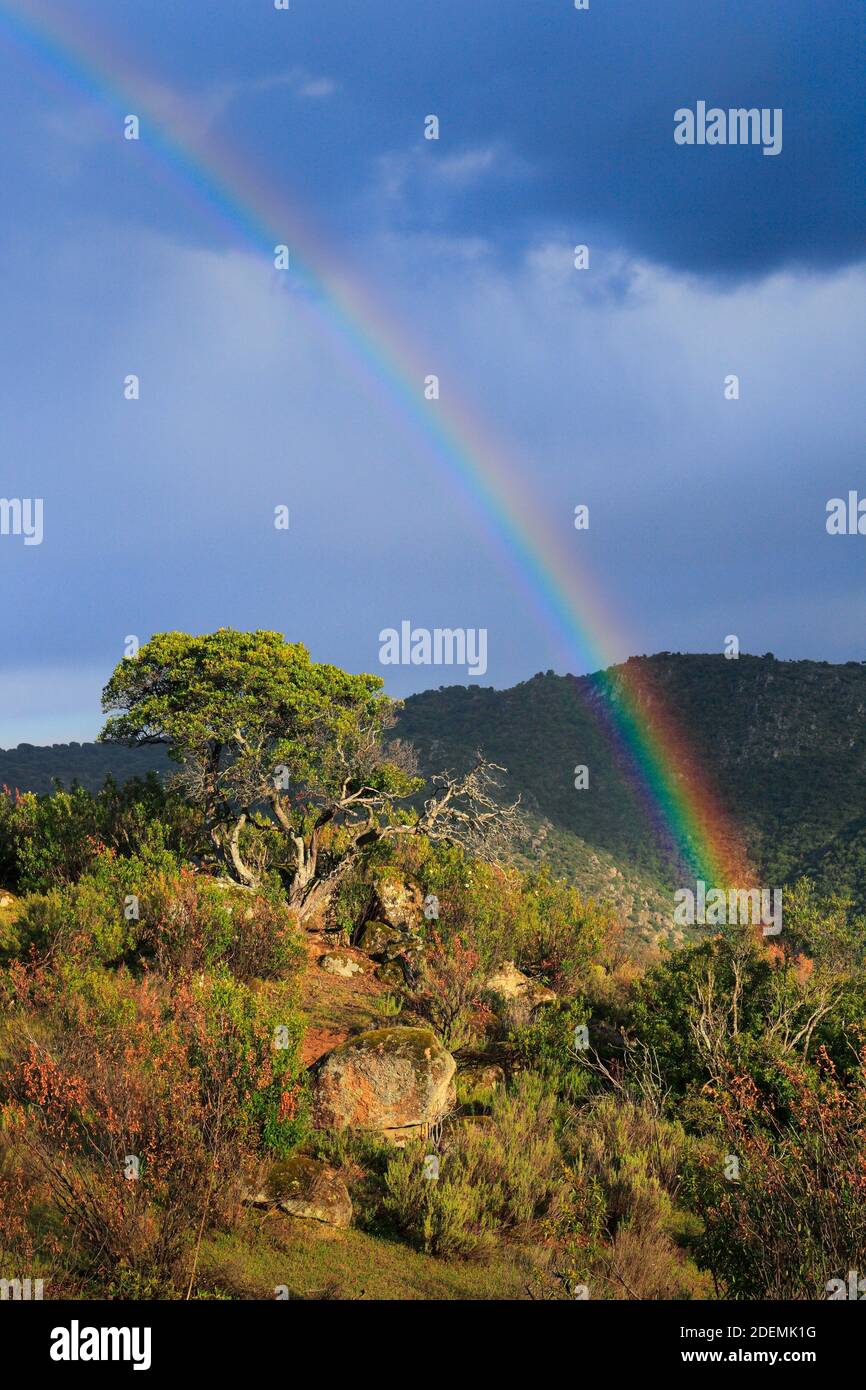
(779, 743)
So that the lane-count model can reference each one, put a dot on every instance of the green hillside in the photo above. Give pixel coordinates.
(361, 1060)
(780, 741)
(29, 768)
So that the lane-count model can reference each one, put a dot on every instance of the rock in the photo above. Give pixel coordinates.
(344, 966)
(306, 1188)
(5, 900)
(387, 1079)
(401, 903)
(378, 939)
(519, 995)
(391, 973)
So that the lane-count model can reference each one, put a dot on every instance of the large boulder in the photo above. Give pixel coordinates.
(306, 1188)
(379, 940)
(518, 995)
(388, 1080)
(400, 903)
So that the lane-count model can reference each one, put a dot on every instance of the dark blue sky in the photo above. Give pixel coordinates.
(556, 128)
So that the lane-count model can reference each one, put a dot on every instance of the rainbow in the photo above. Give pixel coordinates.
(666, 770)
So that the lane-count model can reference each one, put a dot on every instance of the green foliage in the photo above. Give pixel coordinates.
(243, 692)
(547, 1044)
(547, 927)
(186, 1079)
(150, 1008)
(260, 727)
(55, 838)
(635, 1157)
(745, 720)
(450, 984)
(29, 768)
(389, 1005)
(627, 1161)
(252, 1042)
(496, 1175)
(736, 999)
(790, 1217)
(663, 1010)
(49, 841)
(149, 911)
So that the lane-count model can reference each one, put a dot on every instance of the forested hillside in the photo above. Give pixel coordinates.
(780, 740)
(293, 1027)
(31, 768)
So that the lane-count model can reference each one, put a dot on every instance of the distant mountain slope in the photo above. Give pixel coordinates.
(34, 769)
(783, 742)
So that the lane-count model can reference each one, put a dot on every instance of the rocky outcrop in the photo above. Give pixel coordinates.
(393, 1080)
(344, 966)
(400, 903)
(398, 942)
(517, 994)
(308, 1189)
(379, 940)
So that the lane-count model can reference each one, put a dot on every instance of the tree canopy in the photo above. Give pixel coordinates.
(268, 739)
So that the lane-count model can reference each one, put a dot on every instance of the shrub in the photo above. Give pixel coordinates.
(143, 1116)
(540, 922)
(56, 838)
(48, 842)
(450, 985)
(177, 921)
(547, 1043)
(644, 1262)
(502, 1175)
(795, 1218)
(633, 1154)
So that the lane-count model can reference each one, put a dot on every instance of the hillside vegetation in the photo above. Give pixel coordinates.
(781, 742)
(293, 1027)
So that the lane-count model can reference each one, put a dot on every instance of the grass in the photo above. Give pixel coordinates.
(313, 1261)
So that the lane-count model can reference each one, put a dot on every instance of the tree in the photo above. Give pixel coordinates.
(266, 736)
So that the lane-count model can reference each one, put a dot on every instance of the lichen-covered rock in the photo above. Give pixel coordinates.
(378, 939)
(344, 966)
(387, 1079)
(306, 1188)
(400, 903)
(392, 973)
(519, 996)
